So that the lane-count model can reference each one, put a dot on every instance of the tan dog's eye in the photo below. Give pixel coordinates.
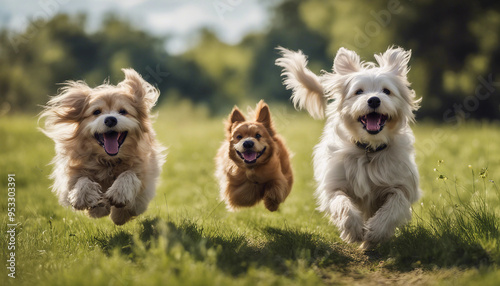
(258, 136)
(123, 112)
(97, 112)
(239, 137)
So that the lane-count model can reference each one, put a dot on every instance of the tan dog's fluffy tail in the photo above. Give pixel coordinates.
(307, 90)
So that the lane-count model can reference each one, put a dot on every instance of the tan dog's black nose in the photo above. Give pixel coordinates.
(110, 121)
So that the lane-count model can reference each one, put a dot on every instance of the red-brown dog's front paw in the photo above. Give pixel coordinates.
(271, 204)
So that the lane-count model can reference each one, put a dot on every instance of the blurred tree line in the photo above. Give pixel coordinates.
(455, 62)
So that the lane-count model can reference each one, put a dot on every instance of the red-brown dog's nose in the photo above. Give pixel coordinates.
(248, 144)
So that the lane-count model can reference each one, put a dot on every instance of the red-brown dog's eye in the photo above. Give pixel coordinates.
(123, 112)
(97, 112)
(258, 136)
(239, 137)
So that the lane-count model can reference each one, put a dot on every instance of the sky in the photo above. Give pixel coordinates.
(179, 19)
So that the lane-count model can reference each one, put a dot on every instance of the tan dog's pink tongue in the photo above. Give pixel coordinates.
(111, 142)
(372, 122)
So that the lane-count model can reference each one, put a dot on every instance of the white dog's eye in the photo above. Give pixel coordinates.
(97, 112)
(386, 91)
(359, 91)
(123, 112)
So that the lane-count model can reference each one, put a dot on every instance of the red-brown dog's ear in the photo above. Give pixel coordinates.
(235, 116)
(263, 115)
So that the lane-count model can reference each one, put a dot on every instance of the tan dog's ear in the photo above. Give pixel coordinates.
(263, 115)
(69, 105)
(65, 109)
(143, 91)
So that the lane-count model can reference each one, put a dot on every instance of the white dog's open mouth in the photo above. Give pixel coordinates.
(250, 156)
(111, 141)
(373, 122)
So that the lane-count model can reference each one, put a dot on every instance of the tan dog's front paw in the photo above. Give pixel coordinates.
(124, 189)
(85, 194)
(102, 208)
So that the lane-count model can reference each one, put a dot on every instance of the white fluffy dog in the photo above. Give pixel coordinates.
(364, 165)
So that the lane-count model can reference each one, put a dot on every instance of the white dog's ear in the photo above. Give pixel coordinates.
(346, 62)
(144, 92)
(395, 60)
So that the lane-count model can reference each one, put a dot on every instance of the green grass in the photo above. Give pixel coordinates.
(188, 238)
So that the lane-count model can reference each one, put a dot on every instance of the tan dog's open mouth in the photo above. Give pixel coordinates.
(111, 141)
(250, 156)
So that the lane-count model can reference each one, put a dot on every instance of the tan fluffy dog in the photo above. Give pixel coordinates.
(253, 163)
(107, 158)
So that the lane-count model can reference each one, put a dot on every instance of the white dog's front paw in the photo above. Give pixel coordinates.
(85, 194)
(376, 232)
(124, 189)
(351, 229)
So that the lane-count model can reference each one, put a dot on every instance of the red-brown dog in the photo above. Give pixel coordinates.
(253, 163)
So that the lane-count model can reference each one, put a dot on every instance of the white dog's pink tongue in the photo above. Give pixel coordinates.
(111, 142)
(250, 156)
(372, 122)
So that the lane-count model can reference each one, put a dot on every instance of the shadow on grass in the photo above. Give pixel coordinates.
(416, 246)
(420, 247)
(234, 253)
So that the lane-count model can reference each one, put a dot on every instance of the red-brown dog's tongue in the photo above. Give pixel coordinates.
(372, 121)
(249, 156)
(111, 142)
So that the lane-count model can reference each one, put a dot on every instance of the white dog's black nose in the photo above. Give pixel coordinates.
(110, 121)
(248, 144)
(374, 102)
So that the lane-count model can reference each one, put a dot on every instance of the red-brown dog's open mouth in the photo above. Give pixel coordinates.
(111, 141)
(373, 122)
(249, 156)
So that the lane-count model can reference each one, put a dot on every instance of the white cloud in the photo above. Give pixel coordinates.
(180, 19)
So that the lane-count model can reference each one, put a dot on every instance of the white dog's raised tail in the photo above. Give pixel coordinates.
(307, 90)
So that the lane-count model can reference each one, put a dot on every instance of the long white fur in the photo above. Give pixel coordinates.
(307, 90)
(366, 195)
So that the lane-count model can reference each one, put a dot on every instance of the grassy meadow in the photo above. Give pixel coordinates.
(188, 238)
